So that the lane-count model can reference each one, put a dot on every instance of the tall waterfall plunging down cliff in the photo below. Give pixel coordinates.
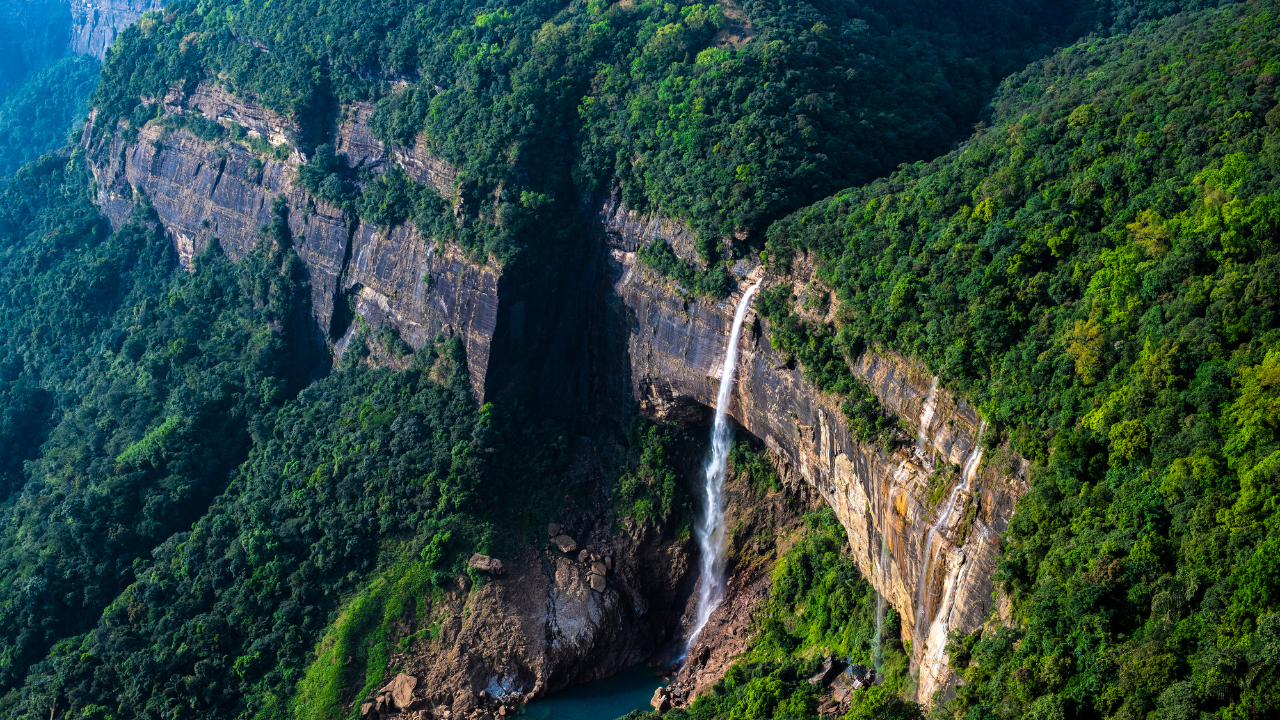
(710, 527)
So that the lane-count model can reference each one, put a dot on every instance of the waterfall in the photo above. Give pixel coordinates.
(926, 417)
(710, 527)
(943, 523)
(876, 654)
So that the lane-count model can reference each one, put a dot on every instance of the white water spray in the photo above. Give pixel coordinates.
(926, 418)
(944, 523)
(710, 527)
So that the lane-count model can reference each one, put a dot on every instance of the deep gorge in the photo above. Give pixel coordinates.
(361, 361)
(671, 354)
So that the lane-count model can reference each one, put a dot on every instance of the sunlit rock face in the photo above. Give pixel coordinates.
(675, 346)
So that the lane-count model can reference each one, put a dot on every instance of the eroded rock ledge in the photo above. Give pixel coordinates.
(676, 346)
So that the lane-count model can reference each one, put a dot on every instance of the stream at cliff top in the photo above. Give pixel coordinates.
(606, 699)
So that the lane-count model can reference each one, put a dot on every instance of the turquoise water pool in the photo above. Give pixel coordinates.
(606, 699)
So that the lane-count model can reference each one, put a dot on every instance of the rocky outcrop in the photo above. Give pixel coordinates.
(202, 190)
(762, 527)
(96, 23)
(528, 331)
(938, 584)
(550, 621)
(556, 618)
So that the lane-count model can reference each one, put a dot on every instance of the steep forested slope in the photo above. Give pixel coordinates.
(1096, 267)
(129, 387)
(37, 115)
(135, 392)
(1099, 271)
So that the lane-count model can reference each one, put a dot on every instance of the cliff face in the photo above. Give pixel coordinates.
(390, 276)
(925, 539)
(594, 331)
(527, 332)
(96, 23)
(542, 625)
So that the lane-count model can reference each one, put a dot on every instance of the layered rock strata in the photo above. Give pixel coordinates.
(675, 348)
(203, 190)
(595, 331)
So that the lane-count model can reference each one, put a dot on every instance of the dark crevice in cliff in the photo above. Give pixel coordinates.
(217, 178)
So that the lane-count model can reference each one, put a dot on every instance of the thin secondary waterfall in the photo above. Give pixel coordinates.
(926, 418)
(942, 524)
(876, 654)
(710, 527)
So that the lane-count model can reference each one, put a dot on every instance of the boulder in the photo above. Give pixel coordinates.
(553, 529)
(565, 543)
(827, 671)
(661, 701)
(401, 690)
(365, 708)
(484, 563)
(598, 583)
(598, 568)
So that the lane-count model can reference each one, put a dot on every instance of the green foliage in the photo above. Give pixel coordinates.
(361, 457)
(819, 606)
(825, 359)
(37, 116)
(396, 594)
(128, 391)
(744, 459)
(714, 282)
(648, 489)
(725, 116)
(1097, 270)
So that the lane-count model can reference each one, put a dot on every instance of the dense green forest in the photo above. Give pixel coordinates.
(129, 387)
(160, 467)
(1098, 270)
(199, 516)
(727, 116)
(37, 115)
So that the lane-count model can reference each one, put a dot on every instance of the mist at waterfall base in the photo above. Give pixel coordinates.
(710, 526)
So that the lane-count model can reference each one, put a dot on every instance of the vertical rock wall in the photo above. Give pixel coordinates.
(595, 330)
(676, 348)
(96, 23)
(202, 190)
